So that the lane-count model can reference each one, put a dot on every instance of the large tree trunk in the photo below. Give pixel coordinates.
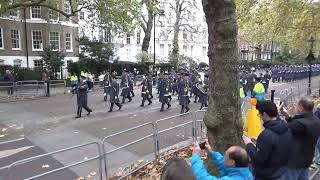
(147, 31)
(176, 31)
(223, 118)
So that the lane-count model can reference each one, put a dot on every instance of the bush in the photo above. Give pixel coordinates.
(23, 74)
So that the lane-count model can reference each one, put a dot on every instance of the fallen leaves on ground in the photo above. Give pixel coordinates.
(152, 170)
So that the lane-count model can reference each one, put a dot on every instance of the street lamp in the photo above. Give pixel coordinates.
(309, 59)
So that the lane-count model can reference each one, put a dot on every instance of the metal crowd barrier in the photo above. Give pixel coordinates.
(106, 153)
(23, 161)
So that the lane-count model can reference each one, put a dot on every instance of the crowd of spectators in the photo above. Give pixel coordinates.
(284, 150)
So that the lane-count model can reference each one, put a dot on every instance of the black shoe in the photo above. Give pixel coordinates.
(187, 109)
(149, 103)
(77, 117)
(89, 113)
(110, 110)
(169, 105)
(141, 105)
(161, 110)
(120, 107)
(130, 100)
(195, 101)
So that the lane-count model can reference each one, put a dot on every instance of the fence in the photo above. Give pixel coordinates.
(149, 146)
(57, 169)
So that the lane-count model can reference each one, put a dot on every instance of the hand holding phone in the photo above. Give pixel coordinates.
(202, 145)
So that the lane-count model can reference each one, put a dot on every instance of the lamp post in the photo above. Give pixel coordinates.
(309, 59)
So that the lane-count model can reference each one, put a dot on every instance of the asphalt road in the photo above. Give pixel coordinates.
(48, 124)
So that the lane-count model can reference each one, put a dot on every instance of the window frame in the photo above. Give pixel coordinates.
(53, 13)
(31, 14)
(128, 39)
(161, 47)
(19, 40)
(58, 49)
(15, 16)
(71, 49)
(139, 37)
(81, 15)
(36, 61)
(32, 42)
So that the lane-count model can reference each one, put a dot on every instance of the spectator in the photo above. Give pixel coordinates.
(305, 127)
(177, 169)
(317, 114)
(270, 155)
(234, 165)
(8, 77)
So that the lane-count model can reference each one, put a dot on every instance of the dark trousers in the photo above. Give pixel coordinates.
(162, 105)
(203, 105)
(184, 108)
(112, 104)
(124, 98)
(10, 90)
(132, 93)
(146, 97)
(80, 110)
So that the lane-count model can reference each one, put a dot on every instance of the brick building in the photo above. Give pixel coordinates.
(25, 32)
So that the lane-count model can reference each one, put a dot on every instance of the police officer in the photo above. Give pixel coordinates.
(265, 81)
(114, 94)
(164, 94)
(183, 90)
(145, 94)
(74, 80)
(131, 83)
(125, 93)
(82, 97)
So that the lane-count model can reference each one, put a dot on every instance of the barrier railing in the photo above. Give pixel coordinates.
(146, 155)
(27, 160)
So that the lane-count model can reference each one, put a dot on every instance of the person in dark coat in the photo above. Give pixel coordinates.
(203, 95)
(125, 93)
(164, 94)
(8, 77)
(106, 84)
(265, 81)
(305, 127)
(270, 155)
(183, 90)
(149, 85)
(114, 94)
(82, 97)
(145, 94)
(131, 83)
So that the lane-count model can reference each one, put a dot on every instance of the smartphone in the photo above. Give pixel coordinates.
(202, 145)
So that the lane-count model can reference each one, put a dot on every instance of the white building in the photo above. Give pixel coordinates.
(191, 44)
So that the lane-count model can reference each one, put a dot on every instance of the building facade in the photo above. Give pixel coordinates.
(192, 42)
(24, 34)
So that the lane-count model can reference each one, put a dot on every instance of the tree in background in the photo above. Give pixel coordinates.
(185, 61)
(96, 50)
(223, 118)
(53, 59)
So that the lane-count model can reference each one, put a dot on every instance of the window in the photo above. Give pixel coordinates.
(1, 62)
(36, 12)
(54, 39)
(128, 39)
(161, 49)
(1, 39)
(138, 37)
(81, 15)
(169, 49)
(185, 48)
(17, 62)
(52, 14)
(13, 13)
(36, 40)
(204, 51)
(108, 36)
(191, 50)
(68, 42)
(15, 39)
(185, 35)
(67, 10)
(38, 63)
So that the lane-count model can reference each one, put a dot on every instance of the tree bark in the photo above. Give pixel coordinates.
(223, 118)
(147, 31)
(176, 31)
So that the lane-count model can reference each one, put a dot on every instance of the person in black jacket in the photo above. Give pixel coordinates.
(270, 155)
(305, 127)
